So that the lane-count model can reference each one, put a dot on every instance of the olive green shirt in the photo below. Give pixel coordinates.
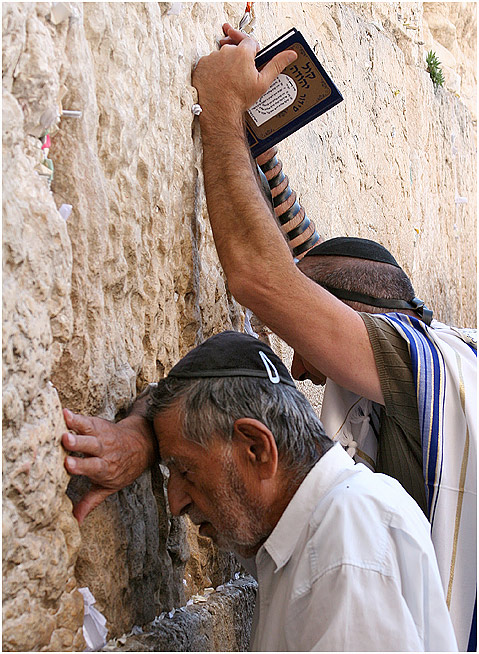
(399, 440)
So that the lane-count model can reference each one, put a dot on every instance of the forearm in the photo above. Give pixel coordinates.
(255, 257)
(247, 237)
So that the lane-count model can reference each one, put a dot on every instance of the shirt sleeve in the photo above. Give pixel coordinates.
(393, 363)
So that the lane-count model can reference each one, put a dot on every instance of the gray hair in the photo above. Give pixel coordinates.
(211, 406)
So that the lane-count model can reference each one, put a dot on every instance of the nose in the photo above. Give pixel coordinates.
(178, 498)
(298, 371)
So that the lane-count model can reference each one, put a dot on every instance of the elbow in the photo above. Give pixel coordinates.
(258, 286)
(246, 288)
(241, 290)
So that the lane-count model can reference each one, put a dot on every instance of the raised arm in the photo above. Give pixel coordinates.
(115, 453)
(255, 257)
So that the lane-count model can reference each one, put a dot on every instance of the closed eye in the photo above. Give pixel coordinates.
(181, 470)
(181, 466)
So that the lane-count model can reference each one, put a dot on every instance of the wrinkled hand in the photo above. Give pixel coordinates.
(116, 454)
(228, 80)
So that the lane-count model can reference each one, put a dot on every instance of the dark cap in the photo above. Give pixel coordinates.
(350, 246)
(232, 354)
(363, 248)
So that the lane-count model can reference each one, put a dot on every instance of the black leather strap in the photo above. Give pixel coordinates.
(299, 229)
(276, 180)
(415, 304)
(290, 213)
(312, 240)
(269, 165)
(282, 197)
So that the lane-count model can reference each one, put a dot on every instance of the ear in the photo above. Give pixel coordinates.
(256, 447)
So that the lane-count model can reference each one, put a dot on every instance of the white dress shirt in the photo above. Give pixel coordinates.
(350, 566)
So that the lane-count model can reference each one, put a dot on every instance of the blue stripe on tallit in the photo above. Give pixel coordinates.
(429, 377)
(472, 645)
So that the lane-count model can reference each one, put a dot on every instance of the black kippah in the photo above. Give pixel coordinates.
(232, 354)
(363, 248)
(350, 246)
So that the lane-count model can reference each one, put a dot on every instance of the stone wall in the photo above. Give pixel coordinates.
(98, 305)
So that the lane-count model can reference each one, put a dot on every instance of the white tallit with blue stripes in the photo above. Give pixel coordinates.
(444, 370)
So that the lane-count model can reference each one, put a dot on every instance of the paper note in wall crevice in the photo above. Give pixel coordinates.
(94, 629)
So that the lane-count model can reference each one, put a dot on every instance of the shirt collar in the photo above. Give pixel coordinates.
(283, 539)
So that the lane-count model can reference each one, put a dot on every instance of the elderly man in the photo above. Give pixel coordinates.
(343, 556)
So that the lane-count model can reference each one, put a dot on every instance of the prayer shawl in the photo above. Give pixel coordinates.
(444, 369)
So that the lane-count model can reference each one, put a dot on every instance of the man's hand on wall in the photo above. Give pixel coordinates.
(115, 455)
(228, 81)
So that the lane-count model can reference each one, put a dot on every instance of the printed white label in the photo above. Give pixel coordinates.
(280, 95)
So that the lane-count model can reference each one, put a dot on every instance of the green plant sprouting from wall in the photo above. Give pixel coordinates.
(434, 68)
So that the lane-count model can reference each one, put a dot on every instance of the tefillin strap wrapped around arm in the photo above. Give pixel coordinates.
(278, 191)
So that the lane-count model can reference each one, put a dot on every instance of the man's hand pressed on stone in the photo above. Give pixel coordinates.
(115, 454)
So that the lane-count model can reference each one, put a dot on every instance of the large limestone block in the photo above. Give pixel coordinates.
(450, 29)
(129, 284)
(120, 559)
(155, 281)
(396, 161)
